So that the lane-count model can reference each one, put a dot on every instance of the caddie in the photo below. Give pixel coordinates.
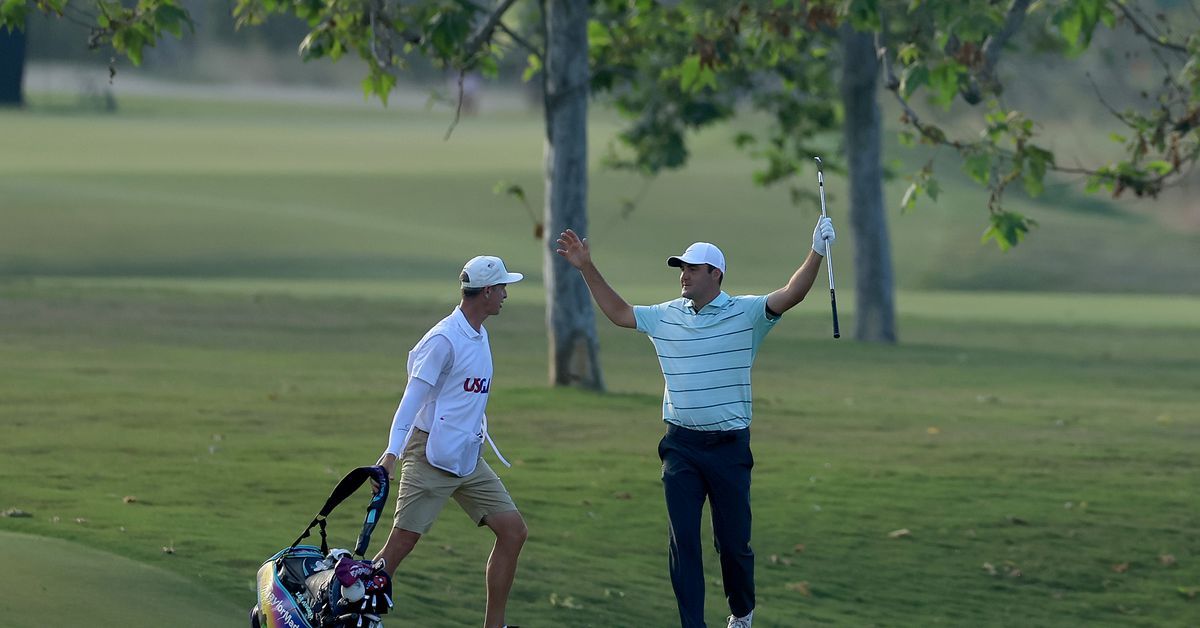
(439, 429)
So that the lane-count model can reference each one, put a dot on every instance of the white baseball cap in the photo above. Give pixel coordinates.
(700, 253)
(487, 270)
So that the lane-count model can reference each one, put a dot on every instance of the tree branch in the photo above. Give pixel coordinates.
(484, 34)
(995, 43)
(533, 50)
(1100, 96)
(462, 75)
(893, 85)
(521, 41)
(378, 28)
(984, 77)
(1139, 29)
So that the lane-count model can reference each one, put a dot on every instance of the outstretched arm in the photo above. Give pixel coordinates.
(801, 282)
(577, 253)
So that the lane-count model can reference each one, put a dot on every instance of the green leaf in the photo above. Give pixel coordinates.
(689, 73)
(932, 189)
(979, 167)
(171, 19)
(1070, 24)
(1034, 172)
(1033, 183)
(1107, 16)
(1007, 229)
(914, 78)
(598, 35)
(508, 188)
(1160, 167)
(379, 83)
(533, 65)
(13, 14)
(864, 14)
(943, 82)
(312, 46)
(129, 42)
(489, 67)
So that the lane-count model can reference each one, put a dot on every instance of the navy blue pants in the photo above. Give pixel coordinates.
(714, 466)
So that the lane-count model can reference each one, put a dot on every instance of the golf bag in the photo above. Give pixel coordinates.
(303, 586)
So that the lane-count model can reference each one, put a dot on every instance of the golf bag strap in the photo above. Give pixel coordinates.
(344, 489)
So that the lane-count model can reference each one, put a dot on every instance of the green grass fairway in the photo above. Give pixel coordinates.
(50, 582)
(207, 308)
(1061, 451)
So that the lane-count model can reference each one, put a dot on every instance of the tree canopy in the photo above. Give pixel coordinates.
(677, 65)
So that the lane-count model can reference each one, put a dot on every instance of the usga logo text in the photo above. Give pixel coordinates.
(476, 384)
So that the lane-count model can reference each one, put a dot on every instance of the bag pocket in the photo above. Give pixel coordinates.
(452, 448)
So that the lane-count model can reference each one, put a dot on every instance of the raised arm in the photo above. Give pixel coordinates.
(577, 253)
(801, 282)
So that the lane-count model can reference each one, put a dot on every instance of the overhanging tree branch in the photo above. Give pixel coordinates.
(484, 34)
(984, 77)
(996, 42)
(521, 41)
(1145, 32)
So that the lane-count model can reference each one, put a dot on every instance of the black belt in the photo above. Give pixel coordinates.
(707, 438)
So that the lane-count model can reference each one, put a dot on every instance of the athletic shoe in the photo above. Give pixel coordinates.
(741, 622)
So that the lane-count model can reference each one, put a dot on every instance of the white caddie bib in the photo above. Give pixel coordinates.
(454, 417)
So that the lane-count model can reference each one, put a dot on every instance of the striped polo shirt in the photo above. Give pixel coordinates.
(706, 357)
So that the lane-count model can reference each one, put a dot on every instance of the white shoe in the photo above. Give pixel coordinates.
(741, 622)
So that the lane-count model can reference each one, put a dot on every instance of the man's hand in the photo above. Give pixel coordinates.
(574, 249)
(823, 236)
(388, 462)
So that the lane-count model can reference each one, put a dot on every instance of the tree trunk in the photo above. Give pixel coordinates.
(570, 318)
(875, 316)
(12, 67)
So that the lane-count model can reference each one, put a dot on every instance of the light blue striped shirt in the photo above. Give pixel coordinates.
(706, 357)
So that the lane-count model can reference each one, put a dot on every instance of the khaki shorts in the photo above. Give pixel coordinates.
(424, 489)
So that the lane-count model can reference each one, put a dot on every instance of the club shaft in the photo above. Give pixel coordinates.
(828, 254)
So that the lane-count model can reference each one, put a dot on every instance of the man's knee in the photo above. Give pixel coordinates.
(509, 527)
(400, 543)
(520, 534)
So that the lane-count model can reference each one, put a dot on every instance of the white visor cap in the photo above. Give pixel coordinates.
(487, 270)
(700, 253)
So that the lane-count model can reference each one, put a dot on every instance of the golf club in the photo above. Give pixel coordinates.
(828, 252)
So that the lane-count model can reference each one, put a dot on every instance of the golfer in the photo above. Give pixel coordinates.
(439, 430)
(706, 341)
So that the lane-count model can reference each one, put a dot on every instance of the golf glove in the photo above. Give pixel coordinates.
(823, 236)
